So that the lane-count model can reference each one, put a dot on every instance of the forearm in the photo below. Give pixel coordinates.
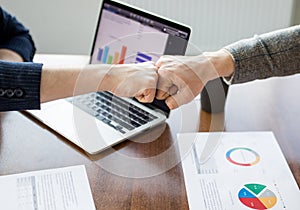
(57, 83)
(125, 80)
(272, 54)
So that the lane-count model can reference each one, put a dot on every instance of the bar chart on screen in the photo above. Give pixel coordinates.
(120, 41)
(106, 56)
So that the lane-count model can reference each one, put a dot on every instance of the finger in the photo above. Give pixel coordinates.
(162, 60)
(151, 65)
(162, 95)
(163, 86)
(183, 96)
(140, 98)
(173, 90)
(147, 96)
(171, 102)
(159, 62)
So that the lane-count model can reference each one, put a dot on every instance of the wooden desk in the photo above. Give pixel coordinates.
(26, 144)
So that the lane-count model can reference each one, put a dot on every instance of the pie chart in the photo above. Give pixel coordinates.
(257, 196)
(242, 156)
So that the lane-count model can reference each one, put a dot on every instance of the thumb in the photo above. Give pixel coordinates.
(183, 96)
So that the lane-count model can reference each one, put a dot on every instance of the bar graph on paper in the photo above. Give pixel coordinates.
(105, 56)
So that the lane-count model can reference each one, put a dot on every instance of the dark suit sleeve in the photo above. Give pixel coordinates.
(19, 85)
(268, 55)
(14, 36)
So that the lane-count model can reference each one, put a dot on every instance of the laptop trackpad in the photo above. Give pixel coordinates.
(79, 127)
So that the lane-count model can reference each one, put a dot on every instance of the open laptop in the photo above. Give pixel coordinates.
(99, 120)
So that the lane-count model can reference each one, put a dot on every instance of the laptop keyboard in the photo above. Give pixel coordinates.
(113, 111)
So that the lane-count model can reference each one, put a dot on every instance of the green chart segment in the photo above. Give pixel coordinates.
(257, 196)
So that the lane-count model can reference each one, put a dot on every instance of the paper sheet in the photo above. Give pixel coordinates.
(54, 189)
(247, 171)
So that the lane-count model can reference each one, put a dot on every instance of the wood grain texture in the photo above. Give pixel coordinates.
(26, 145)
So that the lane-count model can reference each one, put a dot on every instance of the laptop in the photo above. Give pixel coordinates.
(124, 34)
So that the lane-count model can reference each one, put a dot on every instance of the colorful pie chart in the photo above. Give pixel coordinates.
(257, 196)
(242, 156)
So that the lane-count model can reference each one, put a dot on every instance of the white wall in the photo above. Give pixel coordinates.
(67, 26)
(296, 19)
(57, 26)
(216, 23)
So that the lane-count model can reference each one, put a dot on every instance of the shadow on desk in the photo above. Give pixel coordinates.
(211, 122)
(144, 156)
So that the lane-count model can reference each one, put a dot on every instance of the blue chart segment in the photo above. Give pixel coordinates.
(100, 52)
(105, 54)
(141, 57)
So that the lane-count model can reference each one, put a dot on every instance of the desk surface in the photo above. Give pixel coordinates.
(26, 144)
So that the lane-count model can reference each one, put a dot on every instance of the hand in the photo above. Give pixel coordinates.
(128, 80)
(10, 55)
(181, 78)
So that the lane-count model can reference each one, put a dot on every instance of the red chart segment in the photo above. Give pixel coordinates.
(253, 203)
(257, 196)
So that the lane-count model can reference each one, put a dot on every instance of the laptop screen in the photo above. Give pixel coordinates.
(128, 35)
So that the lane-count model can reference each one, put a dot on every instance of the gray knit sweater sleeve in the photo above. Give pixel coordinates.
(271, 54)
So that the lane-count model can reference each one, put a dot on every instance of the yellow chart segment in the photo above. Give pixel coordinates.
(268, 202)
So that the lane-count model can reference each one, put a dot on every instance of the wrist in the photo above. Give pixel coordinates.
(110, 78)
(222, 61)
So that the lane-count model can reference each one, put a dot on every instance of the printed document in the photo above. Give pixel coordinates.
(246, 171)
(54, 189)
